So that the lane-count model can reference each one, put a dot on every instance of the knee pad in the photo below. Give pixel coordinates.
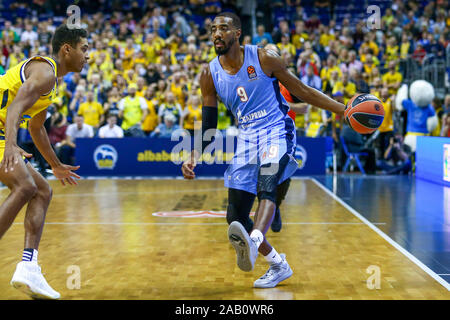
(268, 183)
(267, 187)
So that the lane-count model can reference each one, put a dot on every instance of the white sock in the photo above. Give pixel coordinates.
(273, 257)
(257, 237)
(30, 255)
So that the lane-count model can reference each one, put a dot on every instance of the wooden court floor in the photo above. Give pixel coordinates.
(103, 234)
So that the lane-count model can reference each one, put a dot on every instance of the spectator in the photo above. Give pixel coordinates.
(387, 126)
(151, 121)
(392, 79)
(91, 111)
(353, 62)
(356, 144)
(29, 36)
(78, 129)
(57, 132)
(347, 88)
(170, 106)
(325, 73)
(97, 88)
(133, 110)
(316, 120)
(15, 57)
(358, 80)
(192, 114)
(112, 105)
(419, 53)
(285, 45)
(262, 37)
(77, 99)
(111, 129)
(167, 128)
(311, 79)
(279, 31)
(397, 157)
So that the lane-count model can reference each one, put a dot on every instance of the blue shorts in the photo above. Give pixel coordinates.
(254, 151)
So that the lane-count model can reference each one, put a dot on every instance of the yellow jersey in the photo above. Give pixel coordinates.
(388, 123)
(10, 83)
(192, 115)
(91, 112)
(151, 121)
(390, 78)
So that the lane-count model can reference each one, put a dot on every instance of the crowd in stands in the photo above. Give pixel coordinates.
(145, 56)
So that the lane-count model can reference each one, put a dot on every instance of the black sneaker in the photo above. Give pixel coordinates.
(276, 223)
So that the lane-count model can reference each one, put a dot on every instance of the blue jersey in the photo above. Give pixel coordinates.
(417, 116)
(253, 97)
(267, 133)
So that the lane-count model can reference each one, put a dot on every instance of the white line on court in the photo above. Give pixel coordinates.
(430, 272)
(108, 194)
(189, 223)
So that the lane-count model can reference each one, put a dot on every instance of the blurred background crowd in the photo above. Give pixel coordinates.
(145, 57)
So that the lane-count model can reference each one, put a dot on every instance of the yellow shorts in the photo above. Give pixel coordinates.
(2, 149)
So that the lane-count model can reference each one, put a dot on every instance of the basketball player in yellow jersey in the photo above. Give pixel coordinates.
(25, 93)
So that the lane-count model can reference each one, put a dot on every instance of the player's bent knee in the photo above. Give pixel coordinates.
(46, 192)
(267, 187)
(27, 190)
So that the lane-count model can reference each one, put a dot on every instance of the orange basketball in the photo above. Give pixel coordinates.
(364, 113)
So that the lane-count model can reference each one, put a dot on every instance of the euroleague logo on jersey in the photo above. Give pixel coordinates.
(251, 72)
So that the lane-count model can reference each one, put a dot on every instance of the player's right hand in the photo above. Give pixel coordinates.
(65, 174)
(188, 167)
(11, 156)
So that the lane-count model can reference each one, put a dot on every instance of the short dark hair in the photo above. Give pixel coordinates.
(64, 34)
(236, 21)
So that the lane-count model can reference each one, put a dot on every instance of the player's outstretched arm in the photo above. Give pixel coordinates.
(40, 80)
(40, 138)
(274, 66)
(209, 120)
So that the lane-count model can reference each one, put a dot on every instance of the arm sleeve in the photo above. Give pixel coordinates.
(209, 121)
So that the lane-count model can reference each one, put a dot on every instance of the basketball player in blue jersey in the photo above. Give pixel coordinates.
(246, 79)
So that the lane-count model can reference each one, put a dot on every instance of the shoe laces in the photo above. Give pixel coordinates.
(272, 269)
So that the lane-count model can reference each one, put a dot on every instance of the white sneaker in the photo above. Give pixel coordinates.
(246, 249)
(277, 272)
(29, 279)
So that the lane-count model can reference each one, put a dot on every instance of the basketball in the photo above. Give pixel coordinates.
(364, 113)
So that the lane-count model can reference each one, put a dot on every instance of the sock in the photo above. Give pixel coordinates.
(30, 255)
(273, 257)
(257, 237)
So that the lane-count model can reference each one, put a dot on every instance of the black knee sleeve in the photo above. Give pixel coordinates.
(240, 204)
(234, 214)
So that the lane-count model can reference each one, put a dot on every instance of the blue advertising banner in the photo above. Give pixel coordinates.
(163, 157)
(433, 159)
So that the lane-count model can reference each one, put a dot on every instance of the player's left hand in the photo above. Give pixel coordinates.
(63, 172)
